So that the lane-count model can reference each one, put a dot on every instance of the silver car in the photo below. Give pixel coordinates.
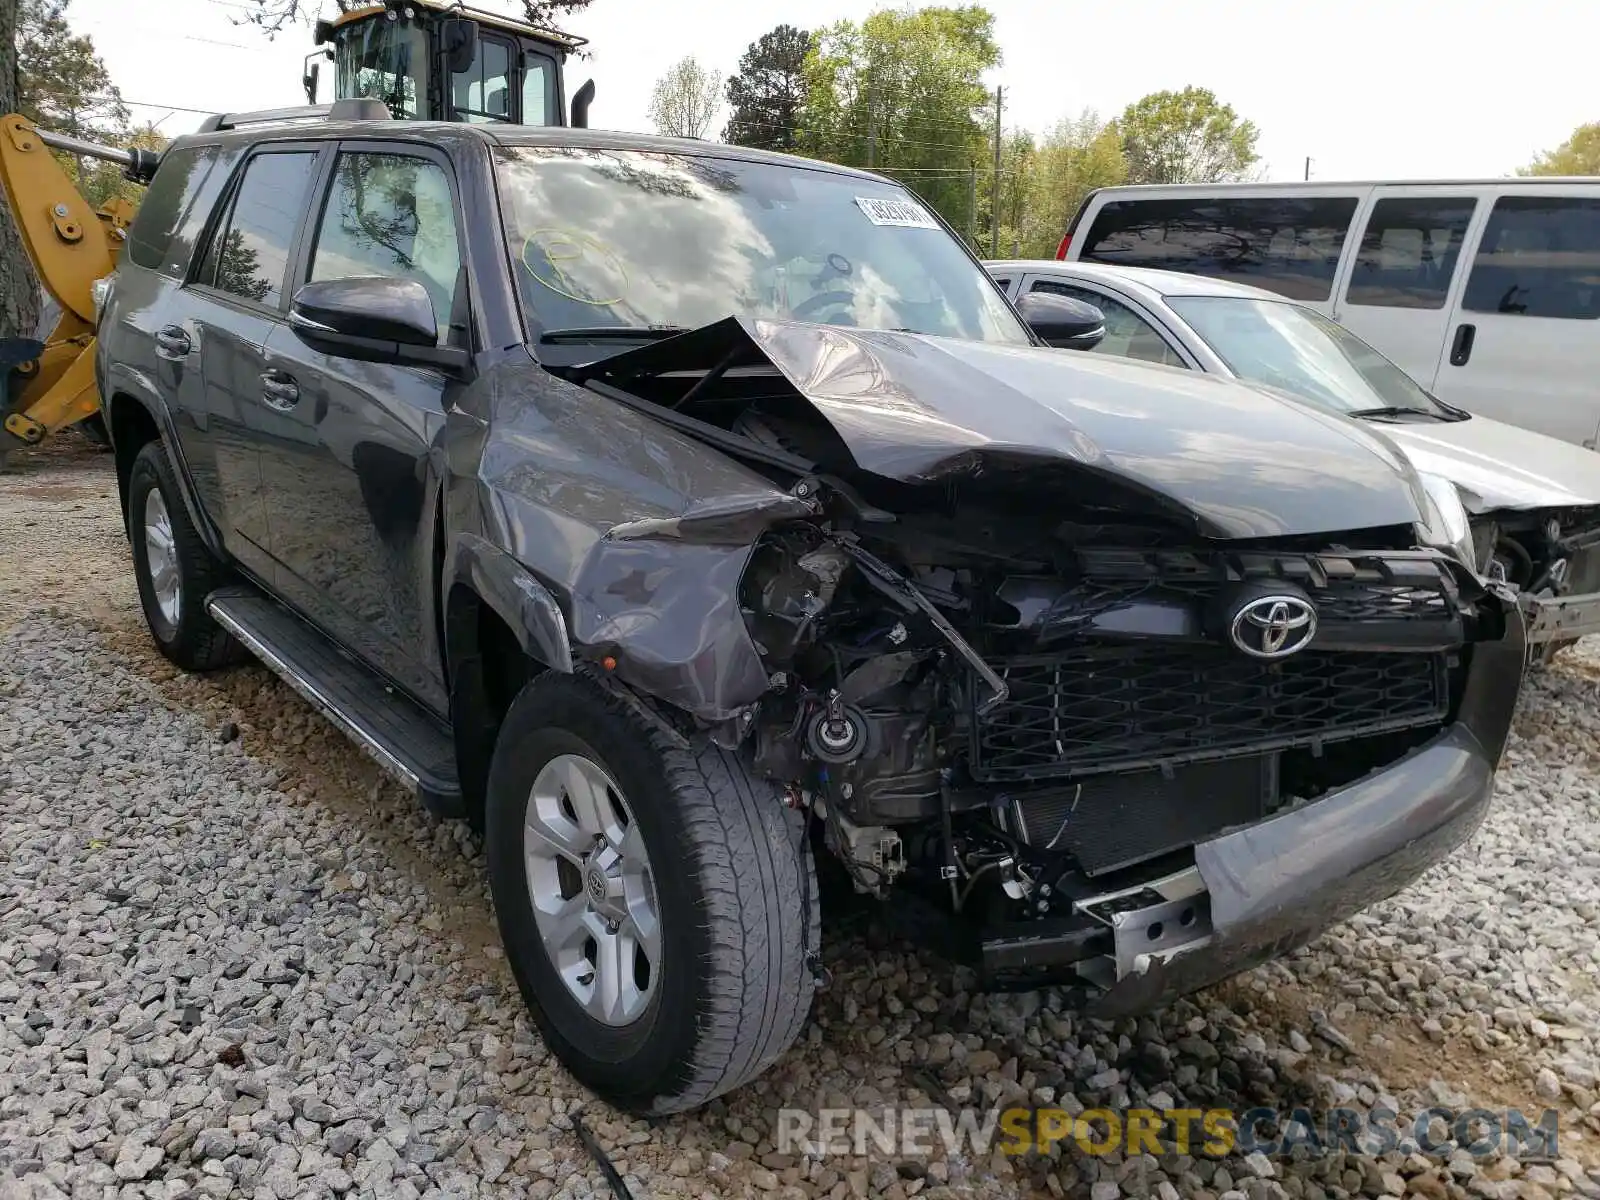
(1533, 502)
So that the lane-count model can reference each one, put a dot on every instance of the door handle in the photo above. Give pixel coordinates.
(279, 391)
(173, 342)
(1461, 347)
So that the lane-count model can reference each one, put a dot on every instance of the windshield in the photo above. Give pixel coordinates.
(603, 238)
(384, 60)
(1289, 347)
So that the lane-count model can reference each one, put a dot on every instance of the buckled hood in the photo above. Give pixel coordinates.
(917, 408)
(1500, 466)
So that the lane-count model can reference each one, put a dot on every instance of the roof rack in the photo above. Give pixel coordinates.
(363, 108)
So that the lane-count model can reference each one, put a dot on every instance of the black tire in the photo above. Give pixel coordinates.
(736, 896)
(193, 641)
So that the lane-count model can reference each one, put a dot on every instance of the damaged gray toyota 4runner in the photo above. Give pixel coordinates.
(677, 512)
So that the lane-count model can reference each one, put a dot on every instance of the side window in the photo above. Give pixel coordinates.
(1128, 335)
(1540, 257)
(1003, 284)
(1409, 250)
(249, 252)
(181, 248)
(537, 92)
(1288, 244)
(482, 92)
(169, 196)
(391, 215)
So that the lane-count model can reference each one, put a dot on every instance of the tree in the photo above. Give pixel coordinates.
(62, 84)
(1072, 160)
(903, 93)
(1578, 155)
(1186, 137)
(686, 99)
(769, 90)
(19, 292)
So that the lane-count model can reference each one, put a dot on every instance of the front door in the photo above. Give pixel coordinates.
(352, 488)
(1523, 341)
(1404, 274)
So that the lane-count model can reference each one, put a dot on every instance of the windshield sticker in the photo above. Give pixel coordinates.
(902, 213)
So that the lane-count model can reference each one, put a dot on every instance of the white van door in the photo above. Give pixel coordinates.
(1523, 342)
(1403, 269)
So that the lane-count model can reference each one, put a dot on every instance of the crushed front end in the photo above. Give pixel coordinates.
(1119, 756)
(1068, 661)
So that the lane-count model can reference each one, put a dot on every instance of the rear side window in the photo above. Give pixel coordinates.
(170, 195)
(1409, 250)
(1288, 244)
(1539, 257)
(249, 253)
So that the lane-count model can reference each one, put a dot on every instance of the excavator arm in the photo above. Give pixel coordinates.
(71, 246)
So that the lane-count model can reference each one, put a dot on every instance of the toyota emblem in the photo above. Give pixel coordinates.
(1273, 626)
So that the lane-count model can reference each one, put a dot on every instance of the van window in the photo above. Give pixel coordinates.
(1539, 257)
(1289, 244)
(1409, 250)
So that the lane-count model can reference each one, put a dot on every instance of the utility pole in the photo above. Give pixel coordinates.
(1308, 168)
(872, 125)
(972, 203)
(994, 184)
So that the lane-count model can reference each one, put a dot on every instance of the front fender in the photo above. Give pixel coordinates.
(526, 606)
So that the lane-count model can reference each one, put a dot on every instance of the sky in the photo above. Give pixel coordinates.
(1367, 89)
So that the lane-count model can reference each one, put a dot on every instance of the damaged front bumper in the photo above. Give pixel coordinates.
(1560, 618)
(1263, 890)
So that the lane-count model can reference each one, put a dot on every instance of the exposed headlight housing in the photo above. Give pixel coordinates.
(1445, 525)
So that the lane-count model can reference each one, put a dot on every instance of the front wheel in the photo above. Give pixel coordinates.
(658, 906)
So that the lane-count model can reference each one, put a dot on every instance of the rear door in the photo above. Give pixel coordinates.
(237, 291)
(1523, 338)
(1405, 271)
(351, 486)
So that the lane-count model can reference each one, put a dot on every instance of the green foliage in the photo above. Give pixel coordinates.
(902, 92)
(61, 82)
(1578, 155)
(686, 99)
(1186, 137)
(769, 91)
(1071, 160)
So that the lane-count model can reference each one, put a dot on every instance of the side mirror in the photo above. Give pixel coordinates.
(1063, 322)
(459, 37)
(580, 105)
(312, 73)
(373, 319)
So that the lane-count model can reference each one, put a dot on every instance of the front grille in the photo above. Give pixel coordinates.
(1120, 708)
(1112, 821)
(1347, 587)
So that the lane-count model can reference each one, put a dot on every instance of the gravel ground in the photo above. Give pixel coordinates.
(235, 961)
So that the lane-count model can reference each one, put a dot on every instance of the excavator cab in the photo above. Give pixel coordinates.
(427, 60)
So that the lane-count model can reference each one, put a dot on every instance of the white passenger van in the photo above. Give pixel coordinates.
(1487, 293)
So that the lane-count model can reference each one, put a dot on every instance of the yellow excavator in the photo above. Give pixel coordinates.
(425, 59)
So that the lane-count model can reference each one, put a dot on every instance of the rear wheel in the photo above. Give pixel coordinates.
(658, 906)
(174, 570)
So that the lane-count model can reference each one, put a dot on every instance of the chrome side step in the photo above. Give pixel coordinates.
(404, 739)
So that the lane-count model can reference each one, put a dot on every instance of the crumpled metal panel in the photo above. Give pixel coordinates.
(639, 532)
(1242, 461)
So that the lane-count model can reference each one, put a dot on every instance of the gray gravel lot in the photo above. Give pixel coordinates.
(235, 961)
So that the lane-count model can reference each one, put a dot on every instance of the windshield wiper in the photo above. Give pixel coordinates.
(1400, 410)
(612, 333)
